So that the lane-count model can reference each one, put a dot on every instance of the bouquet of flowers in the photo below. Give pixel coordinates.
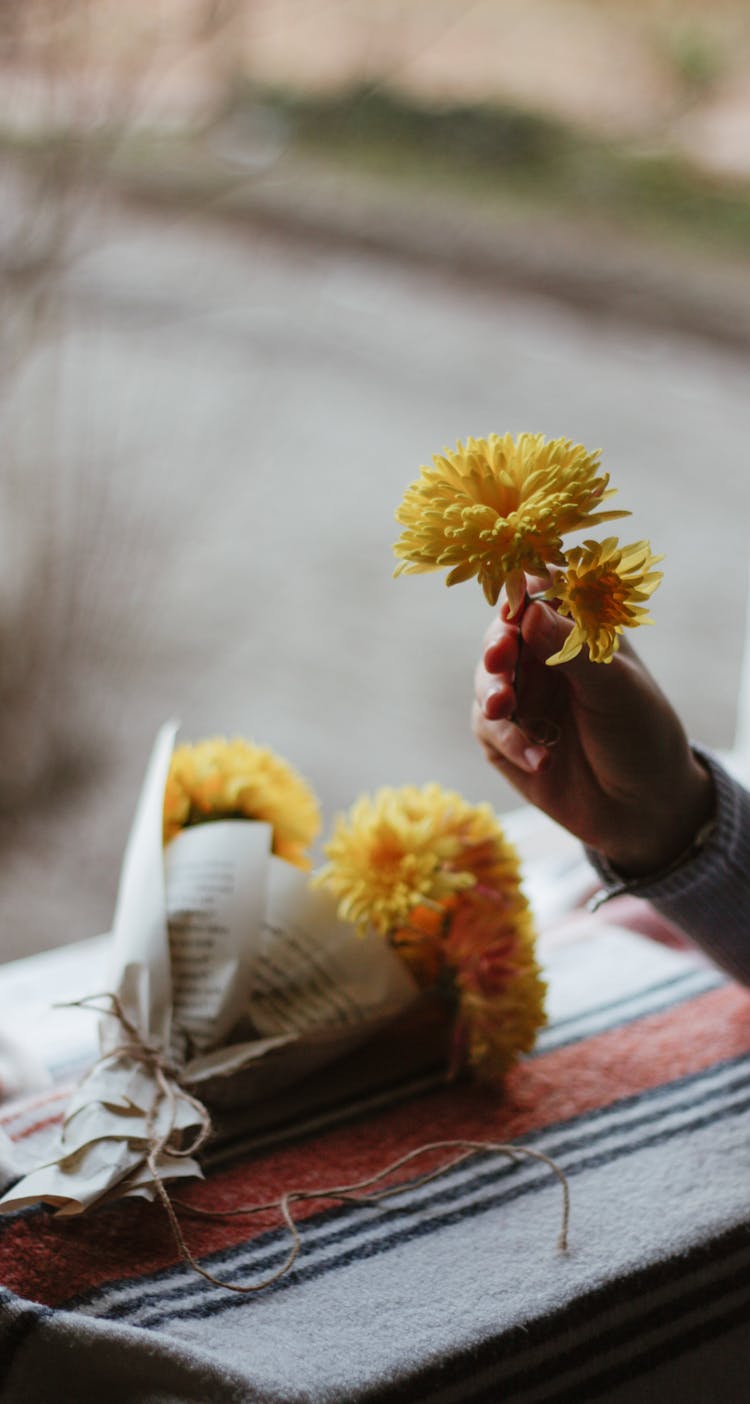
(230, 977)
(498, 509)
(234, 975)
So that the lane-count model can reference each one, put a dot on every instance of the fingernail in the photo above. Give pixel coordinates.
(495, 705)
(536, 757)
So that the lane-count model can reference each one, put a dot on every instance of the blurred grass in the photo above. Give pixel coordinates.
(499, 157)
(489, 151)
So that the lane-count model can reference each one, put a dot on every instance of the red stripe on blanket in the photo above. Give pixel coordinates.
(52, 1260)
(19, 1110)
(37, 1126)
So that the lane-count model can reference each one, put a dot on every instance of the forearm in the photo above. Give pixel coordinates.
(708, 896)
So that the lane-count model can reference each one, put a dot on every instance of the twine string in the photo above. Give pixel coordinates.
(168, 1090)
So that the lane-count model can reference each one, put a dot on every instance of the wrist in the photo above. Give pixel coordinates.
(670, 831)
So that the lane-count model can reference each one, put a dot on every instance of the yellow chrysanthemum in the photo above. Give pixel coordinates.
(603, 590)
(393, 852)
(437, 877)
(220, 779)
(404, 849)
(498, 507)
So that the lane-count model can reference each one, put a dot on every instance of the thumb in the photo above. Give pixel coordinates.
(545, 632)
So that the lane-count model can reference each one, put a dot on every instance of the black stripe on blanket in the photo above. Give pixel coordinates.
(17, 1320)
(228, 1149)
(522, 1361)
(695, 1100)
(640, 1363)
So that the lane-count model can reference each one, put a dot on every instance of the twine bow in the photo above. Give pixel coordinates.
(168, 1089)
(151, 1056)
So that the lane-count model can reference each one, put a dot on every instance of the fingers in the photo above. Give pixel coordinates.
(503, 637)
(592, 684)
(505, 745)
(494, 696)
(544, 630)
(499, 701)
(494, 677)
(495, 674)
(501, 649)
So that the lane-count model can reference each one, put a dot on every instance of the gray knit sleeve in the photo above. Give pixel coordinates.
(708, 896)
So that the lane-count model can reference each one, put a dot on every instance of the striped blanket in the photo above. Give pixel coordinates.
(453, 1290)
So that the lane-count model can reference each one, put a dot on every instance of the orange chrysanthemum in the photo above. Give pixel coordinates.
(490, 949)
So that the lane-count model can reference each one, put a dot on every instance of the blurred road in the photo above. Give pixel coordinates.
(217, 428)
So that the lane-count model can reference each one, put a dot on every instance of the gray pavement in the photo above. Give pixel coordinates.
(215, 432)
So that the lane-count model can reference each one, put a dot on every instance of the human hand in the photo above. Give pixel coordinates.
(621, 776)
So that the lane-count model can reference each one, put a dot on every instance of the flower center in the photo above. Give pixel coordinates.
(600, 597)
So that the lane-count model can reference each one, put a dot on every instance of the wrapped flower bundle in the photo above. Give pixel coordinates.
(498, 509)
(233, 975)
(437, 879)
(230, 977)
